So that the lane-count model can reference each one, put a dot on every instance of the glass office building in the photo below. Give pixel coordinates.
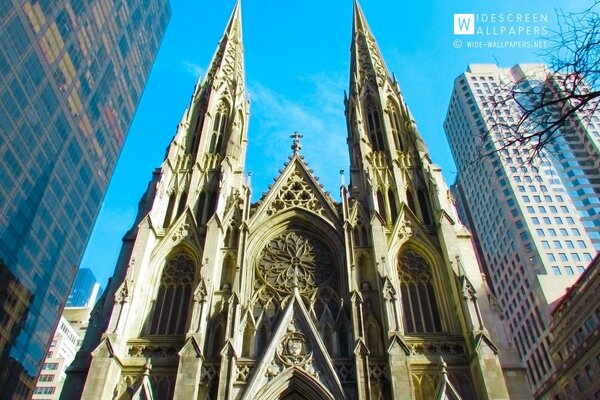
(72, 73)
(85, 288)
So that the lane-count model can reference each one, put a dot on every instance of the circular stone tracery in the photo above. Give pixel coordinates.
(295, 259)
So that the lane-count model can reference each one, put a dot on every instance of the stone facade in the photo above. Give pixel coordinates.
(378, 296)
(575, 348)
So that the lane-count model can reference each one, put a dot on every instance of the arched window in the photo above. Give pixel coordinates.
(395, 124)
(421, 313)
(374, 126)
(393, 208)
(182, 203)
(173, 299)
(219, 127)
(424, 204)
(170, 207)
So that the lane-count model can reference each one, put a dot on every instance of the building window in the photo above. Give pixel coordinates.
(421, 313)
(579, 382)
(46, 378)
(44, 390)
(173, 299)
(50, 366)
(589, 371)
(569, 270)
(556, 270)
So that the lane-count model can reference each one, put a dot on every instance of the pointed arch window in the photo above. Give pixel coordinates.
(173, 299)
(421, 312)
(395, 124)
(170, 207)
(374, 126)
(219, 127)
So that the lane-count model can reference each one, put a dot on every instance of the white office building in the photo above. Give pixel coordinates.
(536, 225)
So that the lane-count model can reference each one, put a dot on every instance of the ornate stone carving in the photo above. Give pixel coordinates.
(294, 260)
(183, 231)
(345, 370)
(413, 267)
(243, 371)
(179, 270)
(378, 370)
(122, 295)
(295, 193)
(292, 351)
(210, 372)
(437, 349)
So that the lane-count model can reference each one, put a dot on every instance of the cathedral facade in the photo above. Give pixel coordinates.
(298, 296)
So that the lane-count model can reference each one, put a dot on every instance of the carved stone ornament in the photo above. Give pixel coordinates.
(183, 231)
(292, 351)
(293, 260)
(296, 193)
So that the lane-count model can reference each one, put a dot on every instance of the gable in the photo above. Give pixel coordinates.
(297, 188)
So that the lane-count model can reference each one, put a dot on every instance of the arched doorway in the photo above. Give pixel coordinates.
(294, 384)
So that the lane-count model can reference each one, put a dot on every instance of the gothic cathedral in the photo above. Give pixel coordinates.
(297, 296)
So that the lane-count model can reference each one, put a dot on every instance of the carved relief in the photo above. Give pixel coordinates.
(293, 351)
(296, 193)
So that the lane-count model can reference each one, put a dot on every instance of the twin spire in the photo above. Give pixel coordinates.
(227, 63)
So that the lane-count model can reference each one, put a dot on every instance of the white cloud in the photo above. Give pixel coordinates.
(317, 113)
(193, 69)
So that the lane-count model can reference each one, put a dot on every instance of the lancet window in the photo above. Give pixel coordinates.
(374, 127)
(395, 124)
(173, 300)
(219, 127)
(421, 312)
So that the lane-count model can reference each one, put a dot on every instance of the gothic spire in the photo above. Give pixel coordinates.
(366, 63)
(228, 61)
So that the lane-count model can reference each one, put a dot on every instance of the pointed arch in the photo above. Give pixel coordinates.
(374, 123)
(424, 205)
(228, 270)
(393, 207)
(220, 123)
(294, 383)
(170, 207)
(394, 116)
(419, 302)
(172, 304)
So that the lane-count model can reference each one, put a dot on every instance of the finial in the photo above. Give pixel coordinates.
(343, 181)
(296, 146)
(443, 365)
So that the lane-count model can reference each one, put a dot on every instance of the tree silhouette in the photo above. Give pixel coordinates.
(554, 101)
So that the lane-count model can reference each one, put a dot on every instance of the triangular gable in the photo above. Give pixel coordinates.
(183, 229)
(296, 187)
(295, 348)
(408, 226)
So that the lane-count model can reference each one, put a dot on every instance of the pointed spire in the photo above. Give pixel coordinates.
(359, 24)
(229, 57)
(367, 63)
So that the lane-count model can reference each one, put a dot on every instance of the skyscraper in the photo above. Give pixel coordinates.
(535, 223)
(297, 295)
(85, 289)
(72, 75)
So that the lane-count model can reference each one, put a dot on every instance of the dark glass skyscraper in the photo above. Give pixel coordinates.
(83, 289)
(71, 75)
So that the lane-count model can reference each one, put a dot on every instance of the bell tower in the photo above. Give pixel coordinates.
(420, 307)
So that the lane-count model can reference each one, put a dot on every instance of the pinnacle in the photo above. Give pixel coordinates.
(359, 22)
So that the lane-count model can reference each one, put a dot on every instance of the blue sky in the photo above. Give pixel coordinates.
(297, 56)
